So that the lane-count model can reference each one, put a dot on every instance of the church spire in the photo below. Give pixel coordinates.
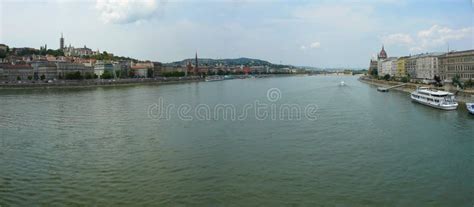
(61, 42)
(196, 64)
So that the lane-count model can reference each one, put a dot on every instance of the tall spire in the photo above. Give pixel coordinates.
(61, 42)
(196, 64)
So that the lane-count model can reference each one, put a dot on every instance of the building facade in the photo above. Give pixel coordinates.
(45, 70)
(388, 66)
(102, 67)
(426, 66)
(454, 64)
(140, 71)
(79, 52)
(17, 72)
(393, 68)
(372, 66)
(401, 67)
(410, 66)
(157, 69)
(64, 68)
(380, 58)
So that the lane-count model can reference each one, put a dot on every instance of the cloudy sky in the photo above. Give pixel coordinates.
(325, 33)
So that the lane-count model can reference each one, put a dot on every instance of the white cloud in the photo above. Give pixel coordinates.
(315, 45)
(398, 38)
(438, 36)
(428, 39)
(126, 11)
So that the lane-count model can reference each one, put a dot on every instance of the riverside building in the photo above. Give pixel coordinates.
(426, 66)
(381, 57)
(459, 63)
(401, 67)
(388, 66)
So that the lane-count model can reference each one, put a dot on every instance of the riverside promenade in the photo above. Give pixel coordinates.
(96, 82)
(461, 95)
(118, 82)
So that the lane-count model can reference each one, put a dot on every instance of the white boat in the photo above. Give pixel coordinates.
(214, 78)
(470, 107)
(434, 98)
(382, 89)
(342, 83)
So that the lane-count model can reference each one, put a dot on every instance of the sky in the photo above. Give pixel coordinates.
(318, 33)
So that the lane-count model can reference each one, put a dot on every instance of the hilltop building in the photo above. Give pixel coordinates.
(79, 52)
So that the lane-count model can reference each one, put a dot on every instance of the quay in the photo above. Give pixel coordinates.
(384, 89)
(461, 95)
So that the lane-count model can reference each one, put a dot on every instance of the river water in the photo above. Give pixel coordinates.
(112, 146)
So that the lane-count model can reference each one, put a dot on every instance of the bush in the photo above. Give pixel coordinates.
(74, 76)
(469, 83)
(374, 72)
(118, 73)
(149, 73)
(386, 77)
(107, 75)
(173, 74)
(88, 75)
(405, 79)
(457, 81)
(42, 77)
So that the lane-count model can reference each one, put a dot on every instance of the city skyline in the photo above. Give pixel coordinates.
(319, 34)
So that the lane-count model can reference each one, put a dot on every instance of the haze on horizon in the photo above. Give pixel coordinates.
(342, 33)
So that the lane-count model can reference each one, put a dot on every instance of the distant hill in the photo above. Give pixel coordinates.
(229, 62)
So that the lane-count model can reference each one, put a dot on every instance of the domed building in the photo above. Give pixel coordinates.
(382, 55)
(380, 58)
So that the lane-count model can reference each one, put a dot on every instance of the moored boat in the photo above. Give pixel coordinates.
(470, 108)
(434, 98)
(382, 89)
(214, 78)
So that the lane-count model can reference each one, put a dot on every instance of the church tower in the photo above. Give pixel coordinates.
(196, 64)
(61, 42)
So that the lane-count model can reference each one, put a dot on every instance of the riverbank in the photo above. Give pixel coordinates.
(462, 96)
(118, 82)
(96, 83)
